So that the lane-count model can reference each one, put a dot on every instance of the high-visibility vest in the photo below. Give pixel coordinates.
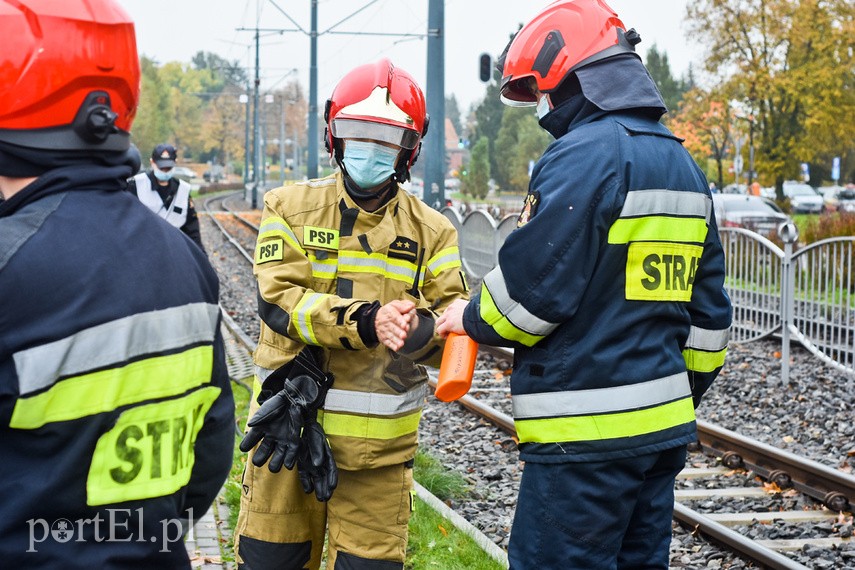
(174, 211)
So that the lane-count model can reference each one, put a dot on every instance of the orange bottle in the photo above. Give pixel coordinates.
(458, 364)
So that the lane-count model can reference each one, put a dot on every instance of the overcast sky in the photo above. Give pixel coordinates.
(174, 30)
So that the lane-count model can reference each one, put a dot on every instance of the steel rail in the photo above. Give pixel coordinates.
(834, 488)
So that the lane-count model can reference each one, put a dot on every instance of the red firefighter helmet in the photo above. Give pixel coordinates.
(69, 74)
(377, 101)
(563, 37)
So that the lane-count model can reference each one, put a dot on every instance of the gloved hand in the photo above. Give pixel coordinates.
(278, 422)
(316, 466)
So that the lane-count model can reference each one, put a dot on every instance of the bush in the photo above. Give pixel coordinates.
(813, 228)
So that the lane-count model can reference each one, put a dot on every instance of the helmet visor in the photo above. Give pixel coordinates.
(518, 92)
(354, 129)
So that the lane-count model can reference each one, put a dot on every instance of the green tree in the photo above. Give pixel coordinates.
(230, 72)
(520, 141)
(153, 122)
(789, 64)
(476, 181)
(671, 89)
(488, 119)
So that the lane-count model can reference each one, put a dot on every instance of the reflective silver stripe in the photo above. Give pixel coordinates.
(277, 227)
(303, 316)
(706, 339)
(436, 264)
(666, 203)
(115, 342)
(320, 182)
(379, 262)
(366, 403)
(513, 311)
(602, 400)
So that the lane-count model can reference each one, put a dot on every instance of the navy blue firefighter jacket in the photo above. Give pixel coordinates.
(611, 290)
(116, 413)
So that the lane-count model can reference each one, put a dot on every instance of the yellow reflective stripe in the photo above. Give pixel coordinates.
(378, 264)
(503, 327)
(348, 425)
(275, 226)
(149, 451)
(303, 317)
(448, 258)
(658, 228)
(703, 361)
(606, 426)
(106, 390)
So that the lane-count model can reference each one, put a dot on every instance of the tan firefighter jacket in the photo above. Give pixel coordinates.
(318, 259)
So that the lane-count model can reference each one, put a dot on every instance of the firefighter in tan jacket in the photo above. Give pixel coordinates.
(352, 272)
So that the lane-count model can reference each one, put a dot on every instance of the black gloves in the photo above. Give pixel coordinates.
(287, 428)
(278, 422)
(316, 466)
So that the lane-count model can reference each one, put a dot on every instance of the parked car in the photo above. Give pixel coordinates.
(846, 200)
(830, 196)
(215, 174)
(750, 212)
(803, 198)
(184, 173)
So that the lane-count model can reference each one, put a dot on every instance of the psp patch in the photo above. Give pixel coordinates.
(532, 201)
(320, 238)
(270, 250)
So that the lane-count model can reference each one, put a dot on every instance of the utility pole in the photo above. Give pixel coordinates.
(256, 132)
(246, 150)
(434, 155)
(312, 167)
(282, 143)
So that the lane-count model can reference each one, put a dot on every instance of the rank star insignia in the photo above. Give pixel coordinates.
(404, 248)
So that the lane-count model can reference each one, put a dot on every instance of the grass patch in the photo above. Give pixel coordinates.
(231, 492)
(437, 544)
(441, 482)
(434, 542)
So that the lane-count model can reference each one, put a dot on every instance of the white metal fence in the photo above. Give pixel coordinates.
(807, 294)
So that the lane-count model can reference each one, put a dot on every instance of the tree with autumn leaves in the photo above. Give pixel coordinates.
(786, 68)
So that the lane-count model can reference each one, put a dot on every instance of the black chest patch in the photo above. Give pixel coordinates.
(404, 248)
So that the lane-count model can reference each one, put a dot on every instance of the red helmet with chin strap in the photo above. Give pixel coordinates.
(380, 102)
(69, 74)
(563, 37)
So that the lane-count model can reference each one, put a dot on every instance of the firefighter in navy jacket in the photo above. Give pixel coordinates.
(116, 414)
(621, 322)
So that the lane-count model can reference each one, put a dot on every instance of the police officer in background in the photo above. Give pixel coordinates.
(116, 414)
(165, 195)
(621, 321)
(351, 271)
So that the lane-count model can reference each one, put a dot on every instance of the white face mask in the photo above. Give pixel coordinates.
(161, 175)
(543, 107)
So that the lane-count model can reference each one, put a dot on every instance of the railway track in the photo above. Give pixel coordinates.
(728, 492)
(748, 471)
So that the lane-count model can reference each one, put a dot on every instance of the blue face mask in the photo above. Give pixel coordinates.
(161, 175)
(369, 164)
